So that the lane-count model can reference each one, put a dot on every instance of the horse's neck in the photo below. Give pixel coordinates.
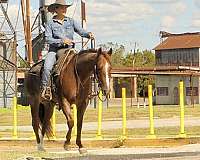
(85, 64)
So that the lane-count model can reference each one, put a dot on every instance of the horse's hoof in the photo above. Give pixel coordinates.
(82, 150)
(41, 149)
(67, 146)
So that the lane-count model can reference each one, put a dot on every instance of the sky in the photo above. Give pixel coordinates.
(128, 22)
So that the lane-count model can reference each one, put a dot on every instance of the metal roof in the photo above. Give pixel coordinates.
(180, 41)
(158, 70)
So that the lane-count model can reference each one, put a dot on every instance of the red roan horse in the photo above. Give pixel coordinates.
(73, 87)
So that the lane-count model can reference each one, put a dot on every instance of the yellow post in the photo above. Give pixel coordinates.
(182, 129)
(151, 120)
(124, 134)
(14, 136)
(100, 108)
(75, 119)
(54, 124)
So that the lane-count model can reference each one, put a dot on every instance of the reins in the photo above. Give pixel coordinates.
(93, 94)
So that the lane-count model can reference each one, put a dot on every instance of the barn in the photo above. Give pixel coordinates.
(178, 50)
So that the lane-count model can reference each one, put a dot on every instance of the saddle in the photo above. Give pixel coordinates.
(63, 56)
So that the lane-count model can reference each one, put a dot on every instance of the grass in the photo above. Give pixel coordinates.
(116, 133)
(109, 114)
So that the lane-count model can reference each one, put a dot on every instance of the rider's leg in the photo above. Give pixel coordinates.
(48, 65)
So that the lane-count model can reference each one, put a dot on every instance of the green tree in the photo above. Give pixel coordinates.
(144, 58)
(118, 53)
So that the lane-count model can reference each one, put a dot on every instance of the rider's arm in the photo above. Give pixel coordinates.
(56, 42)
(78, 29)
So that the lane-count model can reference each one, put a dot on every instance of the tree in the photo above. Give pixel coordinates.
(118, 53)
(139, 59)
(144, 58)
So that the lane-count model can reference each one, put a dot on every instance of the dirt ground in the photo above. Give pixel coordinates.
(113, 149)
(109, 143)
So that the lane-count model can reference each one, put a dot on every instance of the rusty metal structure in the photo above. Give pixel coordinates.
(158, 70)
(8, 59)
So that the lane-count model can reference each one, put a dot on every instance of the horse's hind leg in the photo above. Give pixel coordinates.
(66, 108)
(34, 103)
(46, 117)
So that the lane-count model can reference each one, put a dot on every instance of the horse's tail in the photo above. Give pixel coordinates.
(45, 122)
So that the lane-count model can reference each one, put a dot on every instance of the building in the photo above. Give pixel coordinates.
(180, 50)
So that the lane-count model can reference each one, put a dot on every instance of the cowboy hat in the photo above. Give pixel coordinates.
(51, 7)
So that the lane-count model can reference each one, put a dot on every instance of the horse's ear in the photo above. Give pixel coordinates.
(110, 52)
(99, 51)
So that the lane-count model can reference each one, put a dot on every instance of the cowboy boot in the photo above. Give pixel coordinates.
(46, 93)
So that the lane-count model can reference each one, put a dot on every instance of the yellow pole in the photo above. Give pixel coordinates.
(100, 108)
(124, 113)
(181, 91)
(14, 118)
(54, 124)
(151, 120)
(75, 119)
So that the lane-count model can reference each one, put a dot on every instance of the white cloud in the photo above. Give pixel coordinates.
(196, 23)
(160, 1)
(197, 3)
(178, 8)
(116, 17)
(167, 22)
(195, 19)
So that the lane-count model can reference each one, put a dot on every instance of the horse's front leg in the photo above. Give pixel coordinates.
(80, 112)
(66, 108)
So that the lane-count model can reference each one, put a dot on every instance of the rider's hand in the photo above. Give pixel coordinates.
(68, 41)
(91, 35)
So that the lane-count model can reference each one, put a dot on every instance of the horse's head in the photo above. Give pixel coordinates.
(103, 68)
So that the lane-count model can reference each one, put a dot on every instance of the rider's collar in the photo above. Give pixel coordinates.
(60, 21)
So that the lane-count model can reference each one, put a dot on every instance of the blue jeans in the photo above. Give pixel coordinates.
(48, 65)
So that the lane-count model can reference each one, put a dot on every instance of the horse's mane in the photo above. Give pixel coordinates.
(87, 51)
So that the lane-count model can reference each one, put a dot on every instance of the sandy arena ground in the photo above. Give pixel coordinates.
(143, 149)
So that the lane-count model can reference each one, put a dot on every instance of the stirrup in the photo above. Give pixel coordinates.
(46, 93)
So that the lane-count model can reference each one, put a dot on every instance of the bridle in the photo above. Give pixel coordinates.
(97, 79)
(95, 73)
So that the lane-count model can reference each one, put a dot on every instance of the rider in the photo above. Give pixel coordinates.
(59, 33)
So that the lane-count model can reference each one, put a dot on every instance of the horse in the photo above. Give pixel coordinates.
(73, 87)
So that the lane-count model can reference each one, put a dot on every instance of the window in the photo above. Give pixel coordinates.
(190, 90)
(158, 58)
(162, 91)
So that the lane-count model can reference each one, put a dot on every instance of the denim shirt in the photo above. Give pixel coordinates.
(56, 32)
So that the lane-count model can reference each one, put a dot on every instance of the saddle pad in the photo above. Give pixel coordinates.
(36, 68)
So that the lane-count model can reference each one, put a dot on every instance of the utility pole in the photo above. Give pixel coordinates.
(83, 22)
(83, 18)
(24, 23)
(28, 29)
